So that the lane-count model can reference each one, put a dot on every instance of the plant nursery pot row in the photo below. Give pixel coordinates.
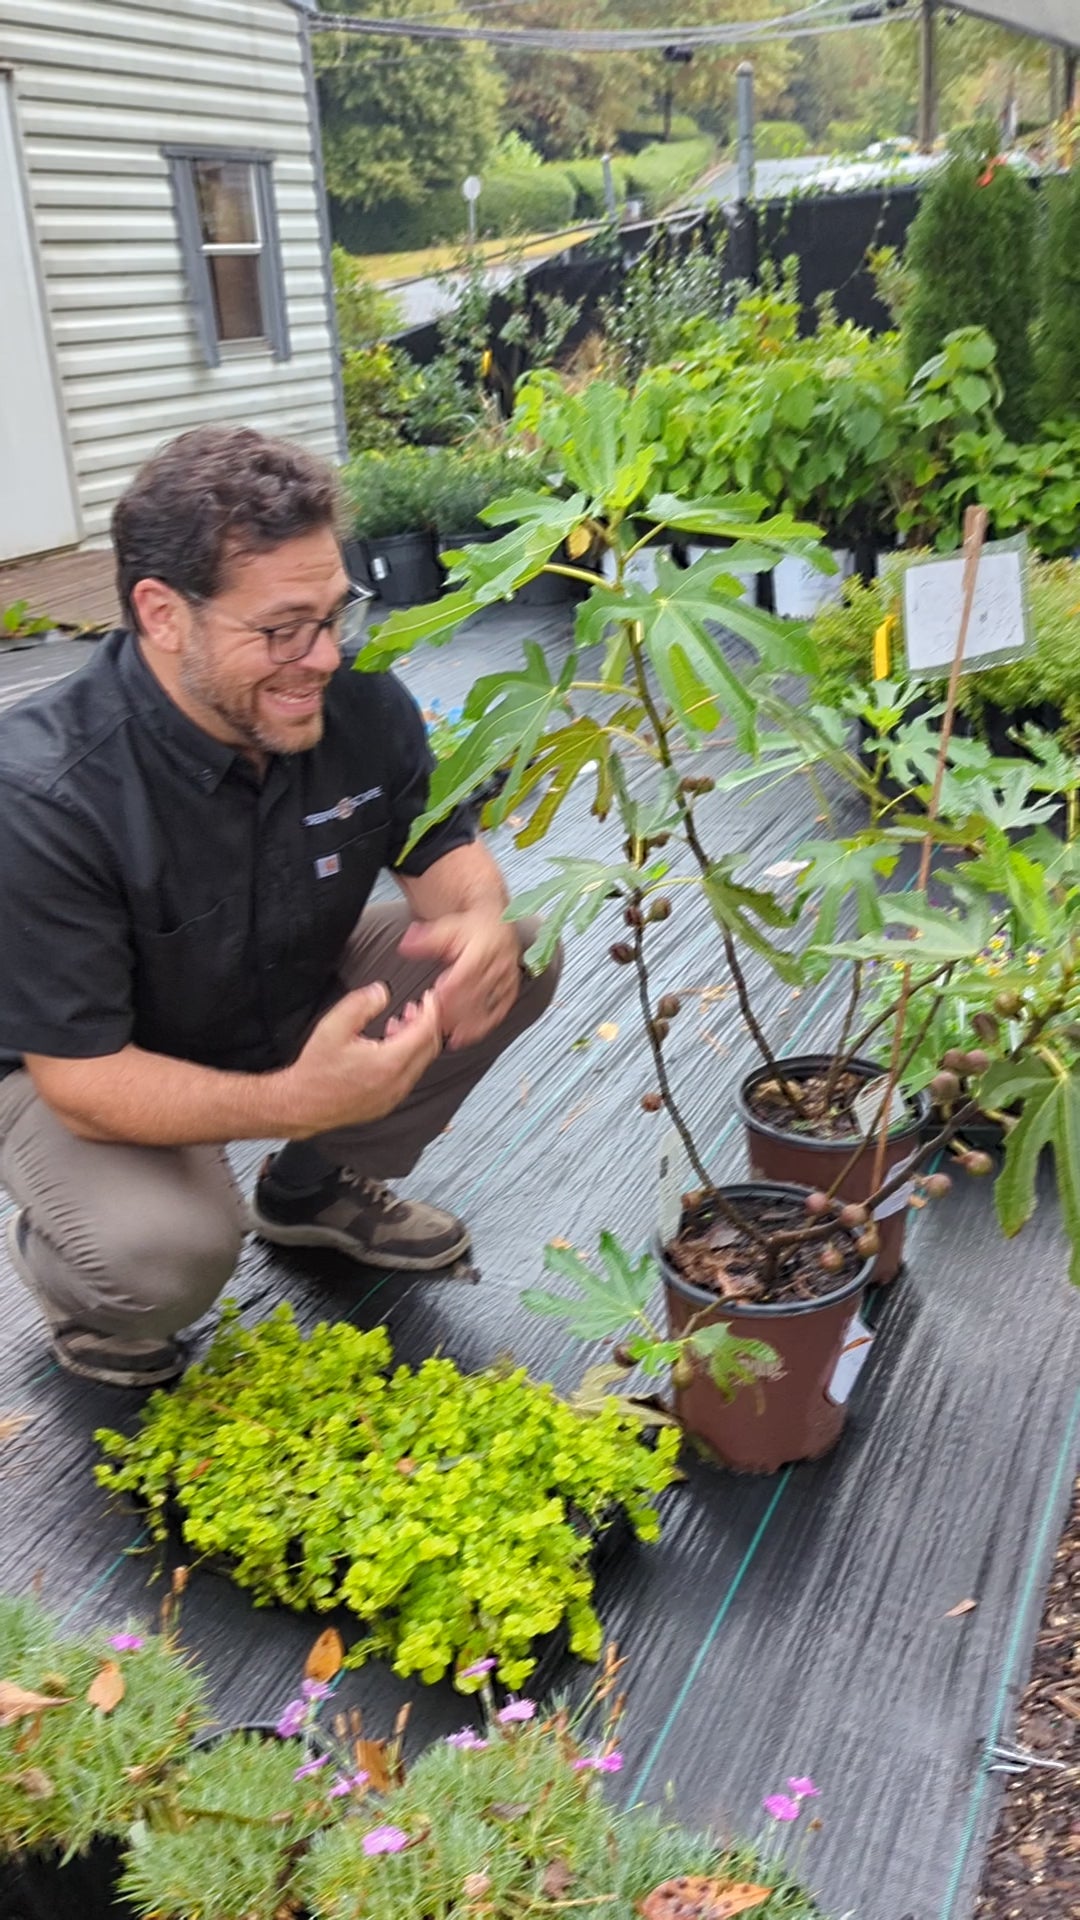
(404, 569)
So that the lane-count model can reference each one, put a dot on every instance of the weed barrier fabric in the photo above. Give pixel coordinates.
(784, 1626)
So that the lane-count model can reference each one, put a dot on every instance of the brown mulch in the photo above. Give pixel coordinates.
(712, 1252)
(1033, 1866)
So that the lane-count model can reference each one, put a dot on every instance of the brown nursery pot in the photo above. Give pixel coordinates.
(800, 1160)
(773, 1422)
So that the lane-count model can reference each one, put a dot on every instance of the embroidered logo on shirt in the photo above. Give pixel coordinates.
(329, 864)
(344, 809)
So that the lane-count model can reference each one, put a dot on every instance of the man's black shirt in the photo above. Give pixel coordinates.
(154, 890)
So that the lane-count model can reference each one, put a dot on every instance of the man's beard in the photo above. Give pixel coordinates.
(240, 709)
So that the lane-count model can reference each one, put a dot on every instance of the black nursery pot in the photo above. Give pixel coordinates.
(801, 1160)
(404, 569)
(36, 1886)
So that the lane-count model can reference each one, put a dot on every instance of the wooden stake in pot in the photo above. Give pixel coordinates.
(974, 540)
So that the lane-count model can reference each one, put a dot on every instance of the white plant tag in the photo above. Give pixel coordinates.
(867, 1108)
(896, 1202)
(379, 568)
(853, 1358)
(673, 1183)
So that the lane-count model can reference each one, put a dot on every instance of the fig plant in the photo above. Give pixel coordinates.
(647, 682)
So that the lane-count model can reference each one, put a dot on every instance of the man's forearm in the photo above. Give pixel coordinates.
(467, 880)
(148, 1099)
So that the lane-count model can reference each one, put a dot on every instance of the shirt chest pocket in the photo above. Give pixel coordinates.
(340, 868)
(190, 980)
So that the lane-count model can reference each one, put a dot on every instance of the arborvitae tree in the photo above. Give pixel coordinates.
(971, 256)
(1058, 334)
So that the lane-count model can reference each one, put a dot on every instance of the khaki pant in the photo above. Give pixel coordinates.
(140, 1241)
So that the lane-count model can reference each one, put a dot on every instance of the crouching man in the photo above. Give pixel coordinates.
(193, 826)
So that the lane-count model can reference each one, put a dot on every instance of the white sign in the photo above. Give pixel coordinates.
(853, 1358)
(933, 603)
(673, 1183)
(472, 187)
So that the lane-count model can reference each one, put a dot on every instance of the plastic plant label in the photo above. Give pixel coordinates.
(867, 1108)
(1000, 617)
(853, 1358)
(379, 568)
(896, 1202)
(673, 1182)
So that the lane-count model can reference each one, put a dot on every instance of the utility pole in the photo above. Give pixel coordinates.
(1072, 62)
(927, 76)
(744, 82)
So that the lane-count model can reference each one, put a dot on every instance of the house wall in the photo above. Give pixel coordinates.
(101, 86)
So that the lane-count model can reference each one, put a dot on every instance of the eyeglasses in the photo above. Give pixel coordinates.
(295, 639)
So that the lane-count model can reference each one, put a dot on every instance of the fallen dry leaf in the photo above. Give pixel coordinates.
(559, 1242)
(12, 1424)
(372, 1758)
(607, 1030)
(517, 821)
(692, 1897)
(326, 1656)
(476, 1885)
(107, 1688)
(18, 1703)
(558, 1879)
(962, 1606)
(1067, 1703)
(35, 1784)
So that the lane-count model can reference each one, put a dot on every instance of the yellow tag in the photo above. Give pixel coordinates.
(883, 648)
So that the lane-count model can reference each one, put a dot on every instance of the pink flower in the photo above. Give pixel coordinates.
(311, 1766)
(781, 1807)
(315, 1690)
(467, 1740)
(478, 1668)
(385, 1840)
(292, 1720)
(126, 1642)
(341, 1787)
(803, 1788)
(600, 1763)
(517, 1710)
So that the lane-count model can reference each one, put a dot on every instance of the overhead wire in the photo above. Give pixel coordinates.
(818, 17)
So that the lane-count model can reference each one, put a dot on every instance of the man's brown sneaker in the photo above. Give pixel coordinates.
(359, 1217)
(109, 1359)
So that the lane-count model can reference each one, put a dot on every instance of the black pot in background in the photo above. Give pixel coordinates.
(354, 555)
(35, 1886)
(404, 569)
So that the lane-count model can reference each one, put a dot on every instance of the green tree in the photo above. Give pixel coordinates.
(1058, 354)
(970, 254)
(403, 116)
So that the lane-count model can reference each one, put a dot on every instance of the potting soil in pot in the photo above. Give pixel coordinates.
(711, 1252)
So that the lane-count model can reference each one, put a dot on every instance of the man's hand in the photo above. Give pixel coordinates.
(342, 1079)
(481, 975)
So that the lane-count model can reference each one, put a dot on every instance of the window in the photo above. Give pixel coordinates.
(232, 256)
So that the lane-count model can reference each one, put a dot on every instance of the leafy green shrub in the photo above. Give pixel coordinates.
(669, 297)
(780, 140)
(849, 136)
(365, 314)
(236, 1821)
(658, 174)
(413, 488)
(1047, 675)
(1031, 488)
(1057, 355)
(971, 255)
(71, 1769)
(537, 200)
(587, 179)
(379, 385)
(649, 131)
(448, 1511)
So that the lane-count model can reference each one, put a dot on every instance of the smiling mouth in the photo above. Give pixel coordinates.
(298, 700)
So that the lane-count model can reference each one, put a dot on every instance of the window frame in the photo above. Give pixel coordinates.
(197, 252)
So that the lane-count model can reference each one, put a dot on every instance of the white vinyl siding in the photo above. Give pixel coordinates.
(102, 89)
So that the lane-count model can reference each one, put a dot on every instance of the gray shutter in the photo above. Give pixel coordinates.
(271, 272)
(182, 173)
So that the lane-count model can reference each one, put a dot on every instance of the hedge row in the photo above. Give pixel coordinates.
(541, 199)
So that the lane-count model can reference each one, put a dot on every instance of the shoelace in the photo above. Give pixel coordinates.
(374, 1193)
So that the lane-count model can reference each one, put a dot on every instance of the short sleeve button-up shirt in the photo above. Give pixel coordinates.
(155, 890)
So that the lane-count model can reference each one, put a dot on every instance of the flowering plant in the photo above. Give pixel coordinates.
(88, 1728)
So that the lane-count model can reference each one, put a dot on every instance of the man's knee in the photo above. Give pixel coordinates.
(160, 1270)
